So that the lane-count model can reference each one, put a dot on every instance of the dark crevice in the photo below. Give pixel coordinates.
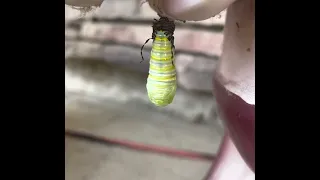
(133, 45)
(128, 21)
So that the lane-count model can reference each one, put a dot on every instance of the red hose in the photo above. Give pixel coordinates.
(141, 147)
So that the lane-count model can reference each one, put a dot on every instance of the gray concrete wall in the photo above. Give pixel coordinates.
(103, 55)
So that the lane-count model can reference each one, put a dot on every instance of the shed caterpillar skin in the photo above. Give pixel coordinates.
(162, 82)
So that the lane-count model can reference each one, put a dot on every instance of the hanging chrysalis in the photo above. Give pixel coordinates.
(162, 81)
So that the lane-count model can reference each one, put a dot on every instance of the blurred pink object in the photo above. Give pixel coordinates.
(189, 10)
(239, 118)
(234, 79)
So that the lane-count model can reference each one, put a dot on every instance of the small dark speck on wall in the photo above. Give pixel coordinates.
(238, 26)
(248, 49)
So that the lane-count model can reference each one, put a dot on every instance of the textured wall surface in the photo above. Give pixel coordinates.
(106, 94)
(113, 35)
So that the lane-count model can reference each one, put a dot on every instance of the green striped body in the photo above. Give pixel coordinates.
(161, 82)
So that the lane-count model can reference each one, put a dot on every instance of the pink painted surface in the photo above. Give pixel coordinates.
(239, 118)
(236, 157)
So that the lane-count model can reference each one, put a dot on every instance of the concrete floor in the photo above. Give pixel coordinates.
(92, 161)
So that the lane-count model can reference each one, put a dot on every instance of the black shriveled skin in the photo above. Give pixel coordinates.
(165, 25)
